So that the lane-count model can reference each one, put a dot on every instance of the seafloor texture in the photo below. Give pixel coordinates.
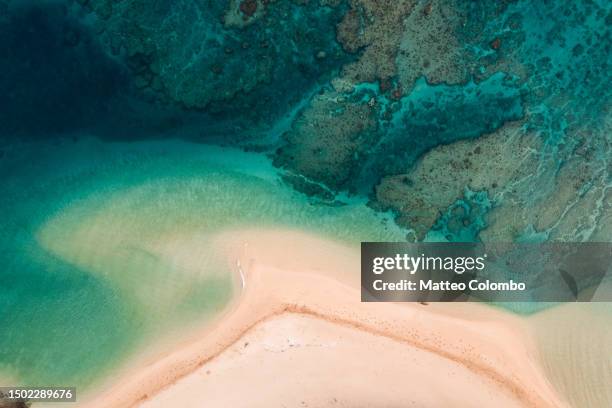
(464, 120)
(410, 103)
(105, 246)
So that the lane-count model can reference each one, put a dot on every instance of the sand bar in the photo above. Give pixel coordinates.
(290, 272)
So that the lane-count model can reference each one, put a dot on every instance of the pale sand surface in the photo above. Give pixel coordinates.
(301, 361)
(575, 347)
(486, 351)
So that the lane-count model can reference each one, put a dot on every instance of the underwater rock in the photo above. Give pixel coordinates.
(245, 60)
(352, 140)
(441, 177)
(430, 48)
(432, 115)
(407, 40)
(241, 13)
(443, 71)
(464, 219)
(374, 29)
(532, 196)
(328, 140)
(401, 45)
(380, 98)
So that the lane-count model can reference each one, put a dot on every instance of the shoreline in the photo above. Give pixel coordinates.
(291, 272)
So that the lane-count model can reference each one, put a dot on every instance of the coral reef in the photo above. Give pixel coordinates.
(248, 60)
(431, 115)
(429, 47)
(559, 55)
(488, 164)
(328, 139)
(439, 77)
(376, 28)
(528, 196)
(469, 120)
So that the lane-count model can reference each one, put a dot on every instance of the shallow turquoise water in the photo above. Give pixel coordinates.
(88, 229)
(86, 241)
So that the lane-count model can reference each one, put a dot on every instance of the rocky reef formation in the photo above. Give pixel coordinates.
(468, 120)
(493, 119)
(450, 172)
(561, 190)
(244, 61)
(343, 131)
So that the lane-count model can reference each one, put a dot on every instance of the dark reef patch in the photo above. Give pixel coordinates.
(346, 95)
(328, 140)
(464, 219)
(247, 67)
(146, 69)
(352, 140)
(433, 115)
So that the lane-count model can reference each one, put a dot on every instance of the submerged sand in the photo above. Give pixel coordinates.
(298, 335)
(575, 350)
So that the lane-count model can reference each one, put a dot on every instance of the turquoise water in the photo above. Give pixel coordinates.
(88, 238)
(105, 247)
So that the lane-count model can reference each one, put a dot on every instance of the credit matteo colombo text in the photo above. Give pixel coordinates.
(507, 272)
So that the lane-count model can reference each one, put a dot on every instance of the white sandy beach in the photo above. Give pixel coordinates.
(298, 335)
(296, 360)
